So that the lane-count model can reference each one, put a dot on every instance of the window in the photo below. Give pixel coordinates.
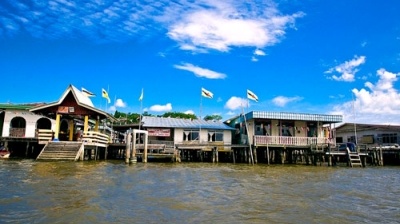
(190, 135)
(215, 136)
(387, 138)
(339, 139)
(263, 128)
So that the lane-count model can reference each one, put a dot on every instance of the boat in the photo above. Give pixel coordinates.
(4, 153)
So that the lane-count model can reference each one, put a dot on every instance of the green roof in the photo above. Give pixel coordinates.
(9, 106)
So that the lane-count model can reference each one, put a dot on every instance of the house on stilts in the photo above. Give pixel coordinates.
(283, 137)
(76, 134)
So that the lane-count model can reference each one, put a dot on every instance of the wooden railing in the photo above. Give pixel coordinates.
(17, 132)
(291, 141)
(95, 137)
(169, 144)
(44, 135)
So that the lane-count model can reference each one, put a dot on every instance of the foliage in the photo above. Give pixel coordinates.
(215, 117)
(179, 115)
(129, 118)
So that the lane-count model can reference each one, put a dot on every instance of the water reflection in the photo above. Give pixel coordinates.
(111, 191)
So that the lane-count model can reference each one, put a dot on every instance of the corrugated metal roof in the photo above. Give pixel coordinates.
(165, 122)
(294, 116)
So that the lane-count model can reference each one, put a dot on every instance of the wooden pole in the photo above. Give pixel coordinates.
(255, 154)
(27, 148)
(128, 147)
(71, 130)
(145, 149)
(216, 154)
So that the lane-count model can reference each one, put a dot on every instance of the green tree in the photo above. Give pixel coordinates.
(179, 115)
(126, 118)
(215, 117)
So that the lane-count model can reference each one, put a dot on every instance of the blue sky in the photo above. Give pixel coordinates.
(304, 56)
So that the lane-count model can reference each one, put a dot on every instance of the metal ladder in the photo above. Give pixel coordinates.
(354, 158)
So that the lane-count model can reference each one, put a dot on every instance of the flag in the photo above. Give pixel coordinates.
(87, 92)
(252, 96)
(105, 95)
(206, 93)
(141, 96)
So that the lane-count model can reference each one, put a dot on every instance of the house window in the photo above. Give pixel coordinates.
(263, 128)
(190, 135)
(339, 139)
(215, 136)
(387, 138)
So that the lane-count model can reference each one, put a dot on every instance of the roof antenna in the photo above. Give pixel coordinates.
(354, 114)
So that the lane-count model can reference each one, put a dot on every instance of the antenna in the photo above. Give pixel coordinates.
(354, 114)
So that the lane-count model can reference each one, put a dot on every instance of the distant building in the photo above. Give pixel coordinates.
(188, 134)
(17, 122)
(283, 129)
(370, 134)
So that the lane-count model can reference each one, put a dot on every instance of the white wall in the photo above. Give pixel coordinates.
(178, 136)
(30, 119)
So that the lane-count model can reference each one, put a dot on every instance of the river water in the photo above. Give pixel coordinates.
(111, 191)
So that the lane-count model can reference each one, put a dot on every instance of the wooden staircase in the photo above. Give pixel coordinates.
(70, 151)
(354, 159)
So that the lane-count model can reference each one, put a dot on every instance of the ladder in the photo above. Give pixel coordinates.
(354, 158)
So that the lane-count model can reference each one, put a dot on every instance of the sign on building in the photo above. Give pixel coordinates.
(159, 132)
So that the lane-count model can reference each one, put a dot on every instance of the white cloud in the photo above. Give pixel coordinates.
(231, 113)
(220, 25)
(120, 103)
(377, 103)
(281, 101)
(364, 43)
(201, 72)
(161, 108)
(195, 25)
(112, 109)
(347, 70)
(189, 112)
(259, 52)
(235, 103)
(256, 53)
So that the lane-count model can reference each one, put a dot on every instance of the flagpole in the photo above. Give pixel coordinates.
(201, 111)
(248, 136)
(141, 112)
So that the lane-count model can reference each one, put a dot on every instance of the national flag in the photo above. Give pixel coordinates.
(252, 96)
(206, 93)
(87, 92)
(105, 95)
(141, 96)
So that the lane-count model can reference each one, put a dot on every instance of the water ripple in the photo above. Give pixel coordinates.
(111, 191)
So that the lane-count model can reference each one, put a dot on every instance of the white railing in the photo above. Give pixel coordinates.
(95, 137)
(291, 141)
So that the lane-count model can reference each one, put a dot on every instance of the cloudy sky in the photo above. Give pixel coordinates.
(324, 57)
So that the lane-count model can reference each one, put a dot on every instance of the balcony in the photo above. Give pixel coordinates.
(17, 132)
(291, 141)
